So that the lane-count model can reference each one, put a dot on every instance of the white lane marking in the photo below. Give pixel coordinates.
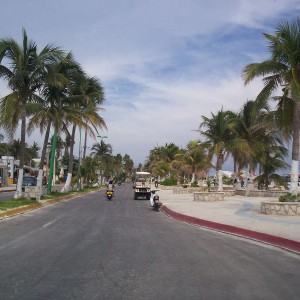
(48, 224)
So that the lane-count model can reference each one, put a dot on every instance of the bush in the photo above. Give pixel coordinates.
(194, 184)
(169, 182)
(289, 197)
(227, 180)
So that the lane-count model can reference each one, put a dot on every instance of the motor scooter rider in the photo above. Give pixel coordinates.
(110, 186)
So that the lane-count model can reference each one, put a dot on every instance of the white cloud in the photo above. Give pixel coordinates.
(163, 64)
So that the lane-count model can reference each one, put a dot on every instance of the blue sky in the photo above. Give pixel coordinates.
(163, 64)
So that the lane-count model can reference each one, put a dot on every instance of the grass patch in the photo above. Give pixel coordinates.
(54, 195)
(14, 203)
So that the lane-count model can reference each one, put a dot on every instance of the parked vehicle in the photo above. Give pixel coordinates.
(154, 200)
(28, 181)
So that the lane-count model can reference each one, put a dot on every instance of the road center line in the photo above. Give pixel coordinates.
(48, 224)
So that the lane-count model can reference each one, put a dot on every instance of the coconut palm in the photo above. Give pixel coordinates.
(24, 72)
(48, 112)
(82, 101)
(160, 159)
(221, 139)
(252, 125)
(270, 160)
(90, 167)
(282, 71)
(194, 158)
(101, 151)
(93, 93)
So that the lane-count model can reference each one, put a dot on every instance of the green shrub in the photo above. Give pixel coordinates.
(169, 182)
(194, 184)
(227, 180)
(289, 197)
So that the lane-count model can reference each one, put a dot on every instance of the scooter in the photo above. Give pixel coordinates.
(109, 194)
(156, 203)
(154, 200)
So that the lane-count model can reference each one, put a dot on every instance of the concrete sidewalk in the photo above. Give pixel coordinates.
(238, 215)
(9, 188)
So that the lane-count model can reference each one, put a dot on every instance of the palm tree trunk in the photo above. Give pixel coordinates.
(295, 149)
(219, 172)
(83, 179)
(67, 185)
(43, 156)
(18, 193)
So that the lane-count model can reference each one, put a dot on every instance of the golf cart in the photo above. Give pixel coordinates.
(142, 185)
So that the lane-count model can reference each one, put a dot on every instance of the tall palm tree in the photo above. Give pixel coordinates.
(252, 124)
(221, 139)
(159, 161)
(48, 112)
(93, 93)
(82, 101)
(194, 158)
(24, 73)
(282, 71)
(101, 151)
(270, 160)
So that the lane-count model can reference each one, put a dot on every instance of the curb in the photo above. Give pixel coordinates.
(4, 191)
(284, 243)
(23, 209)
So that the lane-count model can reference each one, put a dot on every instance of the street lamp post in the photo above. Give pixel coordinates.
(100, 171)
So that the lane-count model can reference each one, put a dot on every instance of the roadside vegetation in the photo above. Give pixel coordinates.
(289, 198)
(51, 91)
(15, 203)
(256, 136)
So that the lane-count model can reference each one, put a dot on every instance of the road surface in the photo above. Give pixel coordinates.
(91, 248)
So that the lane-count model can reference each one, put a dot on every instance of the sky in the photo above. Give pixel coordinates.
(163, 63)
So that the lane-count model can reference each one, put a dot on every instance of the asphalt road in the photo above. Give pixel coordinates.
(91, 248)
(6, 195)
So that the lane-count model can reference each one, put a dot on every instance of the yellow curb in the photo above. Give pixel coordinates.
(20, 210)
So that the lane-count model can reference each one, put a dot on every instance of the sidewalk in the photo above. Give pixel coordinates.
(9, 188)
(237, 215)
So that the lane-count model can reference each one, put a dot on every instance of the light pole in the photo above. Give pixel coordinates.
(100, 171)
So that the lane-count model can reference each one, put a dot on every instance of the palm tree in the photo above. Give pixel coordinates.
(82, 101)
(48, 112)
(128, 165)
(24, 73)
(102, 152)
(90, 166)
(282, 71)
(270, 160)
(252, 125)
(93, 93)
(221, 139)
(160, 160)
(194, 158)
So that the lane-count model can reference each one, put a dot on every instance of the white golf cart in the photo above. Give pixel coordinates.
(142, 185)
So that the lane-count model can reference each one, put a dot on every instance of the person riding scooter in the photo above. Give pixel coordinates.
(110, 186)
(110, 190)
